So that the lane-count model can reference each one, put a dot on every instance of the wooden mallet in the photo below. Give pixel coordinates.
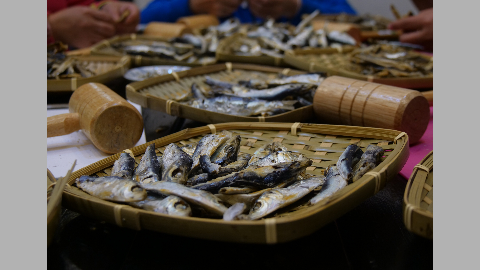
(107, 119)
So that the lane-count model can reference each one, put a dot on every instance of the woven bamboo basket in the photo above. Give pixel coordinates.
(331, 61)
(104, 48)
(158, 93)
(418, 199)
(107, 69)
(223, 54)
(321, 143)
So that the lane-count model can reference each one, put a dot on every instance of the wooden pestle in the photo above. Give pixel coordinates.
(107, 119)
(344, 101)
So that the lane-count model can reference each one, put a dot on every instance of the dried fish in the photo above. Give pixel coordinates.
(333, 183)
(347, 160)
(170, 205)
(201, 198)
(235, 212)
(368, 161)
(124, 166)
(148, 170)
(277, 198)
(176, 164)
(111, 188)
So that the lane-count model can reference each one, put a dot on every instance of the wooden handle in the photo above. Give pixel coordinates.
(62, 124)
(429, 96)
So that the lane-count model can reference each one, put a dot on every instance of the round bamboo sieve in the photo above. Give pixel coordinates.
(166, 30)
(344, 101)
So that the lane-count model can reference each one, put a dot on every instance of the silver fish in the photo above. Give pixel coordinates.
(176, 164)
(311, 78)
(279, 92)
(207, 146)
(369, 160)
(171, 205)
(333, 183)
(189, 148)
(306, 21)
(148, 169)
(237, 190)
(277, 157)
(265, 150)
(247, 198)
(112, 188)
(215, 170)
(201, 198)
(265, 176)
(277, 198)
(235, 212)
(347, 160)
(124, 166)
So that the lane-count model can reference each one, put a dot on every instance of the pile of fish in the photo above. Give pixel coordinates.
(389, 60)
(253, 97)
(274, 39)
(60, 66)
(213, 179)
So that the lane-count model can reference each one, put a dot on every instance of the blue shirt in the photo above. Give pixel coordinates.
(172, 10)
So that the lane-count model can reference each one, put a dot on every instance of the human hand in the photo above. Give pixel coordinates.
(274, 8)
(117, 11)
(218, 8)
(416, 29)
(81, 26)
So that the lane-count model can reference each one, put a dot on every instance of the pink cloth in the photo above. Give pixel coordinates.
(420, 149)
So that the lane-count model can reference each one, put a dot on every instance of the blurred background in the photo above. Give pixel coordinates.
(372, 7)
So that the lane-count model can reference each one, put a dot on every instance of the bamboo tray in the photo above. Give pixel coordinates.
(107, 67)
(418, 199)
(223, 54)
(322, 143)
(158, 93)
(105, 48)
(331, 60)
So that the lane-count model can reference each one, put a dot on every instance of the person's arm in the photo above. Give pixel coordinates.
(165, 11)
(324, 6)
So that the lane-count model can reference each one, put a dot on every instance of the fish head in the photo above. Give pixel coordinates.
(177, 207)
(229, 152)
(133, 192)
(265, 203)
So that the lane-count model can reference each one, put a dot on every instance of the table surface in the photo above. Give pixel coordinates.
(370, 236)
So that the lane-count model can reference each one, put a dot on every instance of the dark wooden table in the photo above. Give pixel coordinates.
(371, 236)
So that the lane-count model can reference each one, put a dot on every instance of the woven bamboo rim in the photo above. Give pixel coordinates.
(104, 48)
(54, 202)
(418, 199)
(158, 93)
(328, 60)
(223, 54)
(108, 68)
(322, 143)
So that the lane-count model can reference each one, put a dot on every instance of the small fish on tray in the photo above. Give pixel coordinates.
(253, 97)
(389, 60)
(253, 187)
(274, 39)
